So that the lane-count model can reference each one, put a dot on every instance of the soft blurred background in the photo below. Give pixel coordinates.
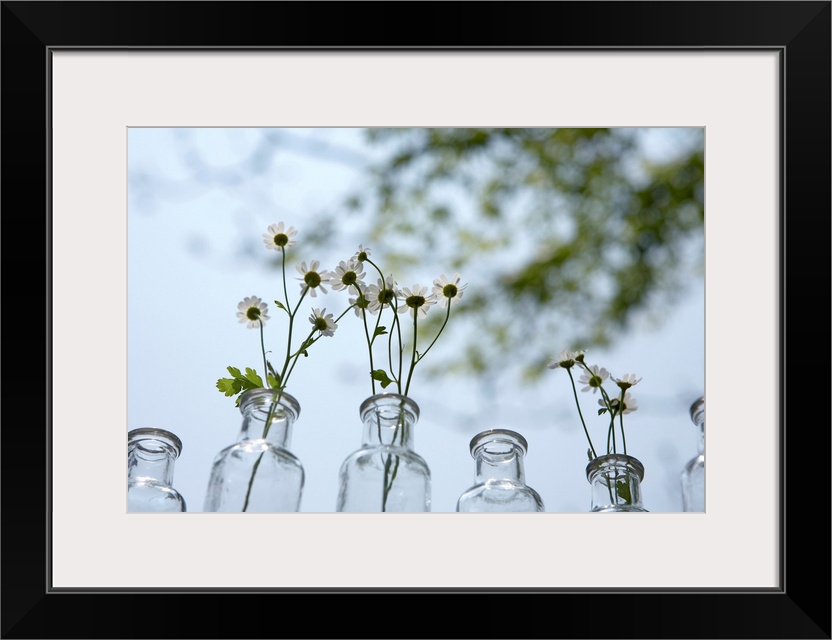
(567, 238)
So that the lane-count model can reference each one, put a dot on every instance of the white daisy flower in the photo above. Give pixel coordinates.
(254, 311)
(313, 278)
(415, 299)
(566, 359)
(626, 381)
(361, 304)
(323, 322)
(630, 404)
(448, 290)
(594, 379)
(362, 254)
(381, 295)
(279, 238)
(347, 275)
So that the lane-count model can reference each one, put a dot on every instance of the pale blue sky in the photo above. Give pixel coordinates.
(191, 207)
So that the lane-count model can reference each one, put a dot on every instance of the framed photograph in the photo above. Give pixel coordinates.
(79, 77)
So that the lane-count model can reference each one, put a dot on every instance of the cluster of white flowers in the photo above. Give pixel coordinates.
(593, 378)
(367, 299)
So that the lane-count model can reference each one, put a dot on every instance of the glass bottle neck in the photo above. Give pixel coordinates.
(389, 419)
(269, 416)
(616, 483)
(151, 455)
(499, 455)
(501, 465)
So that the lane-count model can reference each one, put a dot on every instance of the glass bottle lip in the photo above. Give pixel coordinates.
(265, 396)
(389, 401)
(697, 410)
(498, 436)
(612, 460)
(164, 440)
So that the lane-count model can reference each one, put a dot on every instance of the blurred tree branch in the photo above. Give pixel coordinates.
(567, 235)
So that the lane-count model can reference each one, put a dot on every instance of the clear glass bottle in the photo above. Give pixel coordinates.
(693, 475)
(385, 474)
(616, 483)
(259, 473)
(500, 480)
(151, 455)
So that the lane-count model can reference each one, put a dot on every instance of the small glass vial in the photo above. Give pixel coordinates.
(616, 483)
(386, 474)
(693, 475)
(259, 473)
(500, 480)
(151, 454)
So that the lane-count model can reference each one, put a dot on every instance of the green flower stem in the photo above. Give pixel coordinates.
(611, 430)
(260, 457)
(413, 355)
(578, 404)
(621, 422)
(285, 291)
(441, 329)
(398, 324)
(369, 341)
(289, 339)
(295, 356)
(381, 275)
(395, 322)
(263, 350)
(388, 477)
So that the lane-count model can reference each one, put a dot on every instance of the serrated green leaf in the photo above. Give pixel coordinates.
(228, 386)
(251, 376)
(274, 383)
(234, 372)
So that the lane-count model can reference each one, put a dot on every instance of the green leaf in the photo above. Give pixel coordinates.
(253, 378)
(280, 306)
(274, 376)
(622, 488)
(228, 386)
(274, 383)
(381, 376)
(234, 372)
(380, 331)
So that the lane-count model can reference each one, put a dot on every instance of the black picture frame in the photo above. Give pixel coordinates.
(799, 608)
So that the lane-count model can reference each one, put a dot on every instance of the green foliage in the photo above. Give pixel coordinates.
(567, 235)
(239, 382)
(381, 376)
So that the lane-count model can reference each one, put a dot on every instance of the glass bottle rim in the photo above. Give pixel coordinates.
(389, 400)
(498, 435)
(610, 459)
(262, 394)
(697, 409)
(141, 434)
